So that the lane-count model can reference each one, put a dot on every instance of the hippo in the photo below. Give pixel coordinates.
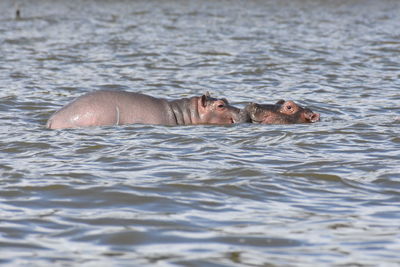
(106, 107)
(283, 112)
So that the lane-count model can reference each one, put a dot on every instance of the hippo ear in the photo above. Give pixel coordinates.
(251, 104)
(280, 102)
(204, 100)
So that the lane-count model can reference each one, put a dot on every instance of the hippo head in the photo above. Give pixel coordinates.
(217, 111)
(283, 112)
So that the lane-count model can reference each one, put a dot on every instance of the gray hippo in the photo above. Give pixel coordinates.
(283, 112)
(119, 107)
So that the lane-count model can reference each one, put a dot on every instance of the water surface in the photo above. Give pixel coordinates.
(241, 195)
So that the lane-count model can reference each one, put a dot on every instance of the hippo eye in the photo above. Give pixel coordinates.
(221, 106)
(289, 107)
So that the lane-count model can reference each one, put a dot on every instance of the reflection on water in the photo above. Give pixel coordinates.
(325, 193)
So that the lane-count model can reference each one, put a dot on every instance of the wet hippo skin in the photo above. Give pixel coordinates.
(282, 112)
(120, 107)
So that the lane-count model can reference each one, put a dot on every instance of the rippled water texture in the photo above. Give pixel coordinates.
(243, 195)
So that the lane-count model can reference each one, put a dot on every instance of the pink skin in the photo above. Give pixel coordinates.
(283, 112)
(118, 107)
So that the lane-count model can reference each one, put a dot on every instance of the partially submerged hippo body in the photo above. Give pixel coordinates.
(283, 112)
(119, 107)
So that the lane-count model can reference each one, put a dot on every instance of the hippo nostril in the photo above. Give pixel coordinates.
(314, 117)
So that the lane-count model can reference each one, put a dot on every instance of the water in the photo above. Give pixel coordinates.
(242, 195)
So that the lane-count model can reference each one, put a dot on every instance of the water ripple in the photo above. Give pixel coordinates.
(323, 194)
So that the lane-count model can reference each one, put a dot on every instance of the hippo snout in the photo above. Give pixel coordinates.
(311, 116)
